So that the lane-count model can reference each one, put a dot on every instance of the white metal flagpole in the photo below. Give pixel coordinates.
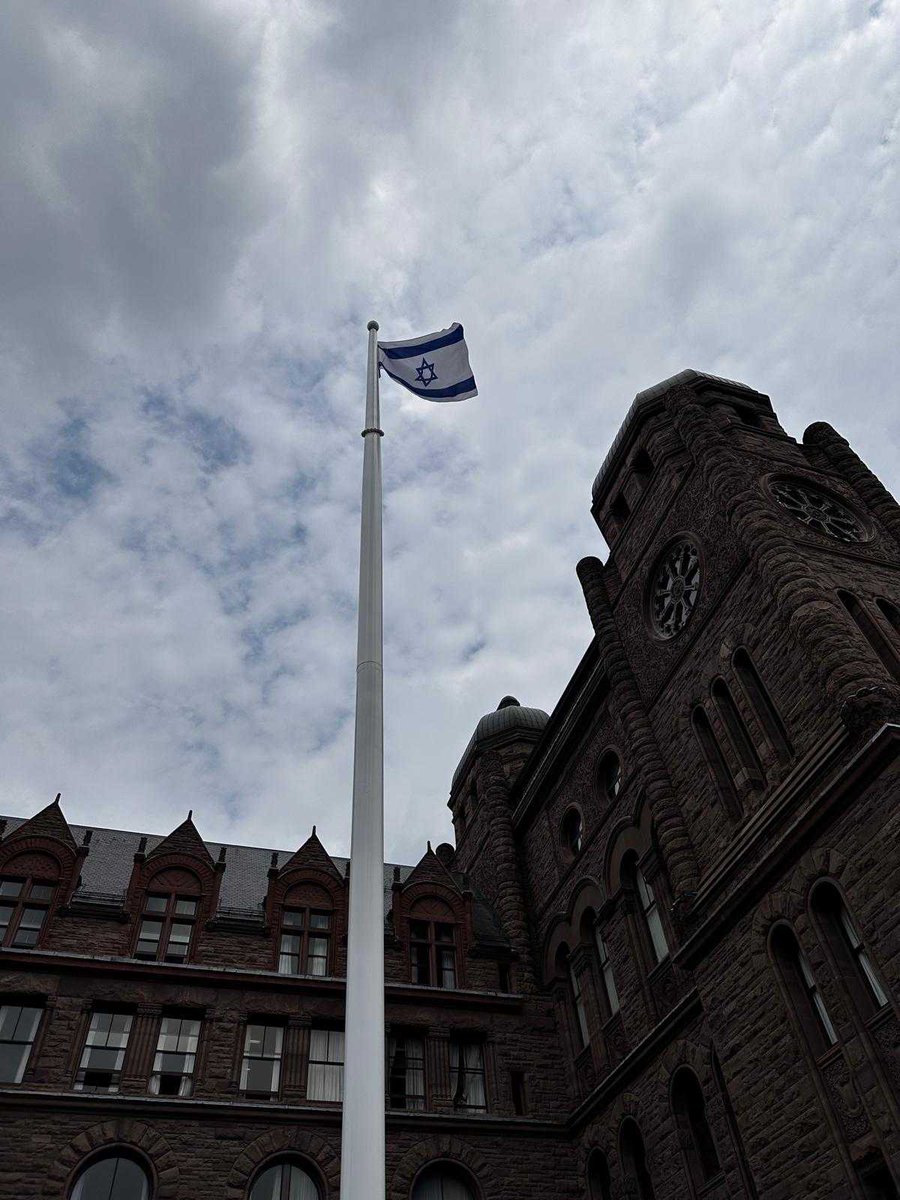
(362, 1134)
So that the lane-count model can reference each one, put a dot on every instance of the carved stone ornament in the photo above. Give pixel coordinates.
(674, 588)
(819, 511)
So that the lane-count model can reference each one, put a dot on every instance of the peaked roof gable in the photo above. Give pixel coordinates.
(430, 869)
(49, 823)
(311, 854)
(184, 839)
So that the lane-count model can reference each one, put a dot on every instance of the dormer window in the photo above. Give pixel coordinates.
(24, 904)
(305, 936)
(167, 927)
(432, 952)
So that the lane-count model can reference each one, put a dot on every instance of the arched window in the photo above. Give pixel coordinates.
(715, 762)
(112, 1177)
(443, 1182)
(743, 747)
(169, 917)
(655, 935)
(607, 979)
(760, 701)
(25, 898)
(285, 1180)
(634, 1160)
(696, 1136)
(565, 969)
(572, 832)
(599, 1182)
(609, 774)
(848, 950)
(803, 990)
(872, 632)
(432, 944)
(306, 920)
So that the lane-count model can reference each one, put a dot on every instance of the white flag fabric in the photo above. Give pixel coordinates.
(435, 367)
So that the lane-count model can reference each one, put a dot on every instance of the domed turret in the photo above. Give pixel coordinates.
(511, 730)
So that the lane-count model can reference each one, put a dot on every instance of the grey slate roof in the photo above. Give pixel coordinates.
(106, 872)
(645, 398)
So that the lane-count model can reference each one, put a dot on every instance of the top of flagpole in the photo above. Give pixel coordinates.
(373, 325)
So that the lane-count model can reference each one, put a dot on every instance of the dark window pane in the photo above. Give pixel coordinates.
(12, 1062)
(185, 908)
(10, 887)
(29, 926)
(259, 1075)
(41, 891)
(421, 972)
(293, 920)
(319, 920)
(156, 904)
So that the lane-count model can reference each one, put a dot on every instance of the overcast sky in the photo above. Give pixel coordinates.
(202, 203)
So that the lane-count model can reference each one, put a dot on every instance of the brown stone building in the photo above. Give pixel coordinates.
(661, 961)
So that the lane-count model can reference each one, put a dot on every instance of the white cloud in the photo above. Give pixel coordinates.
(204, 202)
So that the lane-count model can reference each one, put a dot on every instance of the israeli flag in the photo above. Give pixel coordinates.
(435, 367)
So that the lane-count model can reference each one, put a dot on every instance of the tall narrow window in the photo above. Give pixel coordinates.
(652, 919)
(406, 1072)
(167, 926)
(741, 744)
(715, 762)
(572, 833)
(18, 1027)
(606, 974)
(432, 953)
(634, 1160)
(176, 1053)
(803, 990)
(872, 632)
(578, 1001)
(891, 614)
(261, 1066)
(24, 904)
(696, 1139)
(851, 957)
(758, 697)
(325, 1080)
(112, 1177)
(467, 1075)
(284, 1181)
(100, 1068)
(599, 1182)
(305, 935)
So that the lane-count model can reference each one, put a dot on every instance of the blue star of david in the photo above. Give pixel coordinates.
(421, 377)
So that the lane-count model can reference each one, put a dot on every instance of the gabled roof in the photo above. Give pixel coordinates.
(430, 869)
(184, 839)
(311, 854)
(49, 823)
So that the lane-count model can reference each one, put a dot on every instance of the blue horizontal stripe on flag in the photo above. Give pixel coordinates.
(467, 385)
(455, 335)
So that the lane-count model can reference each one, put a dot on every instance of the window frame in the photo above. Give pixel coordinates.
(285, 1189)
(806, 1005)
(23, 902)
(418, 1068)
(651, 916)
(119, 1153)
(83, 1069)
(847, 949)
(305, 935)
(277, 1028)
(699, 1147)
(435, 948)
(463, 1072)
(608, 989)
(167, 918)
(186, 1077)
(333, 1037)
(27, 1043)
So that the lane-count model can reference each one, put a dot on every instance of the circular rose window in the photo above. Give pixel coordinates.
(820, 512)
(675, 588)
